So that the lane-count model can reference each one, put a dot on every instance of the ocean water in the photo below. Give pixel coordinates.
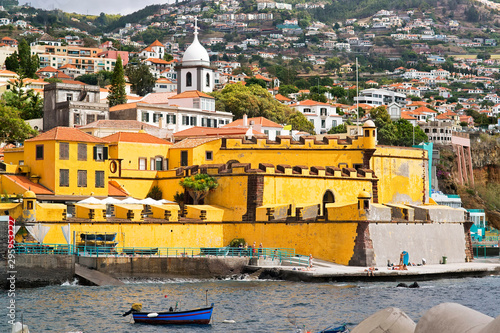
(254, 306)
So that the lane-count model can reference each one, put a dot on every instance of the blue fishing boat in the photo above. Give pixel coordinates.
(197, 316)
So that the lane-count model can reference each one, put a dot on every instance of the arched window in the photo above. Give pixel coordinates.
(208, 80)
(189, 79)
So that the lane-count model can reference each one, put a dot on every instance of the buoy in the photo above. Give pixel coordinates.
(152, 315)
(229, 321)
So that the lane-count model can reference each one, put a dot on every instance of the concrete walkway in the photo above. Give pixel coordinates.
(95, 277)
(336, 272)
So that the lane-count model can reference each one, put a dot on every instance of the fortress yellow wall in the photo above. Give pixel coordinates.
(328, 241)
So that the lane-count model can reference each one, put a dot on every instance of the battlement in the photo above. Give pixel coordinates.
(304, 142)
(280, 169)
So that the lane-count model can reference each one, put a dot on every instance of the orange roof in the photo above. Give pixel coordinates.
(156, 43)
(158, 61)
(157, 98)
(257, 121)
(282, 98)
(135, 137)
(27, 184)
(192, 142)
(415, 103)
(442, 117)
(260, 77)
(61, 75)
(309, 102)
(424, 109)
(115, 191)
(47, 69)
(66, 134)
(407, 115)
(67, 66)
(198, 131)
(123, 107)
(191, 94)
(5, 71)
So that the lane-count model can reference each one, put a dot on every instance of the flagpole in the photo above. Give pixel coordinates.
(357, 98)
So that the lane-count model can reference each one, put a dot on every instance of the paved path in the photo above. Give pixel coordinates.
(340, 272)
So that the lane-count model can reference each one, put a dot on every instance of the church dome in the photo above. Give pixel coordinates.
(196, 54)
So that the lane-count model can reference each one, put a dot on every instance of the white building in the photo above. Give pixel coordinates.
(376, 97)
(323, 116)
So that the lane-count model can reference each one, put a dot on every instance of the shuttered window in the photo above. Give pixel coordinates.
(82, 178)
(64, 151)
(64, 177)
(39, 152)
(99, 179)
(82, 151)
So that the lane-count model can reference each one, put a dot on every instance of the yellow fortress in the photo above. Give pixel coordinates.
(346, 200)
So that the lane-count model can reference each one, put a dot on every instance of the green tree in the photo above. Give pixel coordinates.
(380, 114)
(198, 186)
(299, 122)
(102, 78)
(286, 89)
(338, 92)
(28, 102)
(28, 64)
(12, 62)
(253, 100)
(254, 80)
(12, 127)
(168, 57)
(342, 128)
(117, 93)
(141, 79)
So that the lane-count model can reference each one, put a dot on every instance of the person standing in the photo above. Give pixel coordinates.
(310, 261)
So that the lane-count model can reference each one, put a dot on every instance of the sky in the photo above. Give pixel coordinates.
(94, 7)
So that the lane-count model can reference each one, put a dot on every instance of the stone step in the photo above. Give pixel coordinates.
(96, 277)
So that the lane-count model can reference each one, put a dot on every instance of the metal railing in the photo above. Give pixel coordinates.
(482, 249)
(100, 250)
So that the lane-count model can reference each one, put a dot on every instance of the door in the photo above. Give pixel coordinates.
(184, 158)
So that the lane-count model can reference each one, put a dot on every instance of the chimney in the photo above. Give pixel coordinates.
(245, 120)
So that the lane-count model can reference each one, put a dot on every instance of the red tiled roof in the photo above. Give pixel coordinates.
(158, 61)
(424, 109)
(27, 184)
(67, 66)
(156, 43)
(135, 137)
(407, 116)
(122, 124)
(257, 121)
(309, 102)
(158, 98)
(192, 142)
(47, 69)
(282, 98)
(191, 94)
(66, 134)
(198, 131)
(115, 191)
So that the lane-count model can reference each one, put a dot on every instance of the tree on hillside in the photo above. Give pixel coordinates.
(141, 79)
(254, 80)
(12, 127)
(198, 186)
(102, 78)
(338, 92)
(117, 93)
(23, 62)
(287, 89)
(253, 100)
(28, 102)
(299, 122)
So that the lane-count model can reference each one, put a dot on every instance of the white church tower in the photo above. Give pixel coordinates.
(194, 72)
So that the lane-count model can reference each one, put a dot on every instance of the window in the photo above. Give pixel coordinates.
(145, 117)
(203, 122)
(156, 117)
(185, 120)
(39, 152)
(158, 163)
(82, 151)
(209, 155)
(208, 80)
(323, 123)
(307, 110)
(184, 158)
(192, 121)
(171, 118)
(266, 132)
(82, 178)
(90, 117)
(189, 79)
(323, 111)
(69, 97)
(334, 123)
(312, 121)
(142, 163)
(64, 151)
(64, 177)
(76, 119)
(99, 179)
(100, 153)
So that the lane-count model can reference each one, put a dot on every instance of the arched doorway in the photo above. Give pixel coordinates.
(328, 197)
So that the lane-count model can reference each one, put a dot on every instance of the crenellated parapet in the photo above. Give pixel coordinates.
(280, 169)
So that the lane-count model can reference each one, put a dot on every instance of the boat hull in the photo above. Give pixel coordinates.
(199, 316)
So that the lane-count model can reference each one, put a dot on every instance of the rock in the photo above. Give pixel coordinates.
(414, 285)
(453, 318)
(390, 320)
(402, 285)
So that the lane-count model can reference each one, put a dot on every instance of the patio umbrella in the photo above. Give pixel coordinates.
(130, 200)
(90, 200)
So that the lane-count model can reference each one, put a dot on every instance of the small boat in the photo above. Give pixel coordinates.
(336, 329)
(197, 316)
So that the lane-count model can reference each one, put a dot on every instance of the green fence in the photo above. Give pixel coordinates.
(99, 250)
